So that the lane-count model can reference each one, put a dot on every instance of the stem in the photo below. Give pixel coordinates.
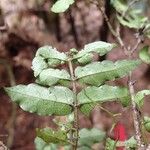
(128, 52)
(76, 117)
(11, 121)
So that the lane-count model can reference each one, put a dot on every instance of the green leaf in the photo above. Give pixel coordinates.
(38, 64)
(99, 47)
(88, 137)
(110, 144)
(147, 123)
(97, 73)
(41, 100)
(53, 76)
(61, 5)
(87, 58)
(131, 143)
(119, 5)
(50, 136)
(91, 96)
(139, 97)
(144, 54)
(42, 145)
(146, 30)
(49, 53)
(128, 144)
(133, 20)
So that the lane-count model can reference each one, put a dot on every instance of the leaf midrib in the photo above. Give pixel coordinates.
(37, 97)
(102, 72)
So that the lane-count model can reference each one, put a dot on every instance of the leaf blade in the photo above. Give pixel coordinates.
(61, 6)
(54, 100)
(93, 136)
(50, 136)
(97, 73)
(98, 47)
(91, 96)
(145, 55)
(52, 76)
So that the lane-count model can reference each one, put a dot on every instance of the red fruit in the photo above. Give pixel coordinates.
(120, 134)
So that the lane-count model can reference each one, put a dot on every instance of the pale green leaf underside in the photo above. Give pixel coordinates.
(38, 64)
(144, 54)
(128, 144)
(41, 100)
(88, 137)
(110, 144)
(119, 5)
(147, 123)
(134, 21)
(91, 96)
(53, 76)
(48, 52)
(46, 57)
(97, 73)
(99, 47)
(42, 145)
(50, 136)
(139, 97)
(61, 5)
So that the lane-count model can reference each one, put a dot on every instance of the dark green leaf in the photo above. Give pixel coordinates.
(61, 5)
(41, 100)
(97, 73)
(50, 136)
(144, 54)
(91, 96)
(88, 137)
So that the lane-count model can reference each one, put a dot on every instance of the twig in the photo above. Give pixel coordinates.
(76, 112)
(128, 52)
(11, 121)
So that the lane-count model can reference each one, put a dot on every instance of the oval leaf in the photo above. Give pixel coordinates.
(88, 137)
(42, 145)
(144, 54)
(134, 21)
(97, 73)
(48, 52)
(98, 47)
(139, 97)
(41, 100)
(147, 123)
(91, 96)
(38, 64)
(50, 136)
(53, 76)
(61, 5)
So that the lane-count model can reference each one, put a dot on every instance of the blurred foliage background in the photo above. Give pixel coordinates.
(26, 25)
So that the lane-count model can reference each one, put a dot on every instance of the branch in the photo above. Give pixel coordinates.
(76, 111)
(128, 52)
